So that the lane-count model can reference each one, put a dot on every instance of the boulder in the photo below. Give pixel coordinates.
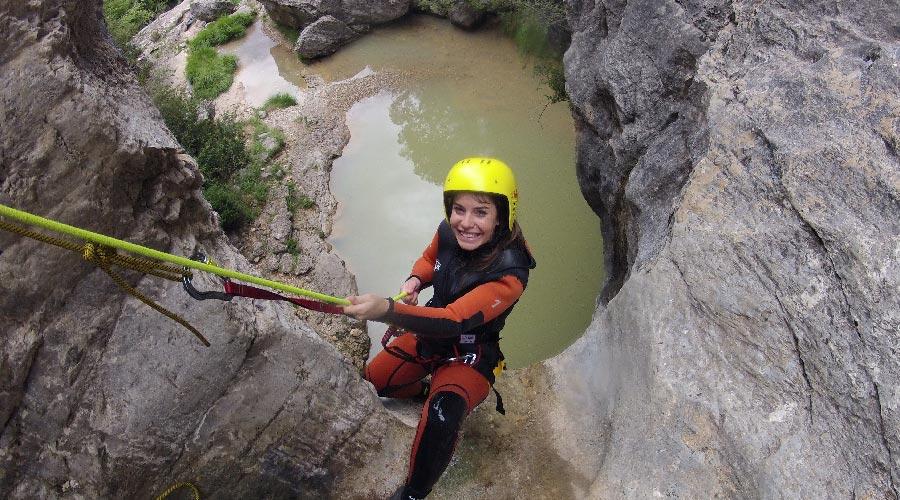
(210, 10)
(323, 37)
(372, 12)
(301, 13)
(326, 25)
(464, 15)
(743, 159)
(298, 13)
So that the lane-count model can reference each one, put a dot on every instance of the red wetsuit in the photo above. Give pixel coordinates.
(465, 316)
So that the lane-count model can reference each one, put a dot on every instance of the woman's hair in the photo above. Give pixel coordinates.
(503, 238)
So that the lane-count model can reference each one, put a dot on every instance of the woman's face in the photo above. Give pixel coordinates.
(473, 219)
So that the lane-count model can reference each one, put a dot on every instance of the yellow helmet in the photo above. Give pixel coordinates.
(483, 175)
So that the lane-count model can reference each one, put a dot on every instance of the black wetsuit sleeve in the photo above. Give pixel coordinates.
(480, 305)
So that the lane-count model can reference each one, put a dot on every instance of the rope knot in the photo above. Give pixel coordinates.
(89, 252)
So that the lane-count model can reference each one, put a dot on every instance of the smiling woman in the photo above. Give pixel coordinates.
(472, 219)
(467, 93)
(478, 265)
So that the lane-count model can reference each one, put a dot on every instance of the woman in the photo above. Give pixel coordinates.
(478, 264)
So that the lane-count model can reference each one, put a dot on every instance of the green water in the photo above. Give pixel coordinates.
(466, 94)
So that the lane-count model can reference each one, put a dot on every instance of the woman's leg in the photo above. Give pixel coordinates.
(394, 377)
(456, 389)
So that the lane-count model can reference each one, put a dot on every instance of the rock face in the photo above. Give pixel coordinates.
(100, 396)
(210, 10)
(324, 36)
(328, 24)
(464, 15)
(461, 13)
(743, 157)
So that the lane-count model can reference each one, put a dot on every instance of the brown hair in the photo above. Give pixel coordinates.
(503, 238)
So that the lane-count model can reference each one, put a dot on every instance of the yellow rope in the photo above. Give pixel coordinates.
(176, 486)
(101, 239)
(98, 255)
(104, 258)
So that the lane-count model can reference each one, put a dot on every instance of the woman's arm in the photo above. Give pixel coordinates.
(482, 304)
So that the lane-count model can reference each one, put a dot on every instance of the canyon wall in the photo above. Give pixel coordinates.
(100, 396)
(743, 157)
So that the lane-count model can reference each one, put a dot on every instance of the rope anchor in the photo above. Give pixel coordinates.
(103, 251)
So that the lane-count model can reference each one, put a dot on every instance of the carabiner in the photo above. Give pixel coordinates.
(197, 294)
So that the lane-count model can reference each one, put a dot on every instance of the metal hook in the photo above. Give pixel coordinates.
(197, 294)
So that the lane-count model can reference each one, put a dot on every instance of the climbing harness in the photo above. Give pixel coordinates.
(469, 358)
(101, 250)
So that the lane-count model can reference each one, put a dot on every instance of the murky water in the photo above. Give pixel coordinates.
(470, 94)
(257, 70)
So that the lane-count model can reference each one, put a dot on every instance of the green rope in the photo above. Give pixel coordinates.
(108, 241)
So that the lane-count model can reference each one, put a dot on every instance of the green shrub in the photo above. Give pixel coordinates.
(125, 18)
(278, 172)
(222, 30)
(217, 145)
(209, 73)
(233, 184)
(292, 247)
(553, 74)
(252, 184)
(228, 202)
(280, 100)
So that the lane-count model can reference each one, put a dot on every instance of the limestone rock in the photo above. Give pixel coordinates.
(301, 13)
(174, 24)
(742, 156)
(464, 15)
(210, 10)
(326, 25)
(324, 36)
(373, 12)
(100, 396)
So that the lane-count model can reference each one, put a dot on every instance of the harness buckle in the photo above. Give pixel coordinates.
(466, 359)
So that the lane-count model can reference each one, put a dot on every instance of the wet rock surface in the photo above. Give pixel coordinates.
(743, 159)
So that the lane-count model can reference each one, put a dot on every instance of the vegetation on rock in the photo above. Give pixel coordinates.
(530, 22)
(124, 18)
(295, 200)
(209, 72)
(233, 176)
(279, 101)
(223, 30)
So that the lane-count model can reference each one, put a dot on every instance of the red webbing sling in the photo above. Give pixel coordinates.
(241, 290)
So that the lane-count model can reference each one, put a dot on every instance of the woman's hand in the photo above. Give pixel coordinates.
(368, 306)
(411, 287)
